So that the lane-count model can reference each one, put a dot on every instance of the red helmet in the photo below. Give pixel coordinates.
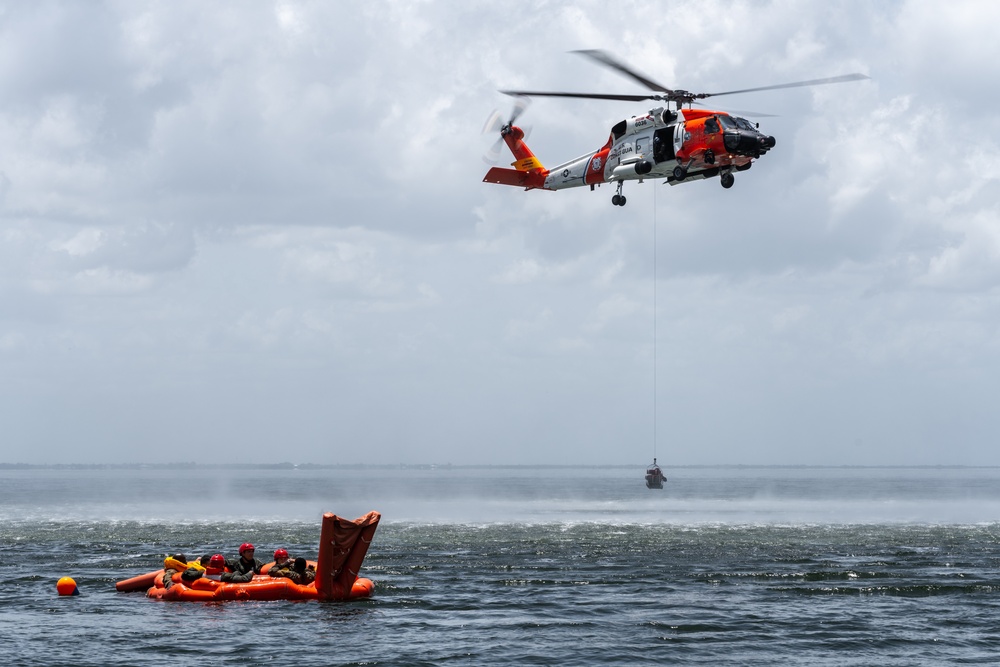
(246, 546)
(218, 560)
(280, 553)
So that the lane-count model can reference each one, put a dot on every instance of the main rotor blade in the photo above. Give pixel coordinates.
(586, 96)
(796, 84)
(608, 60)
(751, 114)
(739, 112)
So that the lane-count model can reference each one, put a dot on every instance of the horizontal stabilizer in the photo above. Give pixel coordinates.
(521, 179)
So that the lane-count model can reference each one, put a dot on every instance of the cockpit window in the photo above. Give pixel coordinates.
(711, 125)
(727, 122)
(744, 123)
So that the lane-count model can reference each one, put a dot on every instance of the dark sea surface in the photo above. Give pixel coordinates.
(518, 566)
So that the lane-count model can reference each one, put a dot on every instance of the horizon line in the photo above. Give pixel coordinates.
(187, 465)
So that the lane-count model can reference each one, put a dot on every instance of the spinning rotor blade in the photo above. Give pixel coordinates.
(492, 155)
(751, 114)
(585, 96)
(521, 103)
(741, 112)
(495, 123)
(607, 60)
(662, 93)
(795, 84)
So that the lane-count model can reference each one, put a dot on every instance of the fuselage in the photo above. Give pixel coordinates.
(701, 143)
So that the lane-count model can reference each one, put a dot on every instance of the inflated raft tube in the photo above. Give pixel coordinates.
(140, 583)
(343, 545)
(262, 587)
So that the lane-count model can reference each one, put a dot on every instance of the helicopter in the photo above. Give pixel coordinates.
(681, 144)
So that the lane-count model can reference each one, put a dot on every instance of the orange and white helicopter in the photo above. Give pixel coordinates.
(679, 144)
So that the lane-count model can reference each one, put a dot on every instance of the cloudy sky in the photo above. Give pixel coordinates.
(257, 231)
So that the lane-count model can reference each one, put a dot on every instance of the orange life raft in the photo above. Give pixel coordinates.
(343, 545)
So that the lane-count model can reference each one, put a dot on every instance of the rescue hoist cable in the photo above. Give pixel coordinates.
(654, 324)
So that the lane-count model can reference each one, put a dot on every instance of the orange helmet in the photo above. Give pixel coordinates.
(218, 560)
(246, 546)
(280, 553)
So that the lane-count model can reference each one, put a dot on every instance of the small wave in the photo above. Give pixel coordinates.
(902, 591)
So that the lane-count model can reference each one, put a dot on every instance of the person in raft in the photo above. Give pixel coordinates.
(171, 566)
(243, 568)
(215, 567)
(307, 573)
(178, 563)
(282, 563)
(282, 567)
(287, 568)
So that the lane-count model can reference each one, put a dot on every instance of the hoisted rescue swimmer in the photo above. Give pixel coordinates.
(680, 144)
(654, 476)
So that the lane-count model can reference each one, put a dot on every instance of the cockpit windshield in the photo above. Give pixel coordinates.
(727, 122)
(744, 124)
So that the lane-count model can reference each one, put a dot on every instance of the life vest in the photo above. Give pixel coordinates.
(214, 573)
(171, 563)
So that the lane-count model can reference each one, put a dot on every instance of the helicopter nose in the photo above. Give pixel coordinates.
(767, 142)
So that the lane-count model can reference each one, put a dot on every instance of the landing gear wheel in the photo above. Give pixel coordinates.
(727, 180)
(680, 173)
(619, 199)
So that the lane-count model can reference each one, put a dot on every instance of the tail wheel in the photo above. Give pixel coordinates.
(680, 173)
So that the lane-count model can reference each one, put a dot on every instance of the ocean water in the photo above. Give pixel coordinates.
(518, 566)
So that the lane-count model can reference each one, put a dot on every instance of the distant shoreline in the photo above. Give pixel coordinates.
(450, 466)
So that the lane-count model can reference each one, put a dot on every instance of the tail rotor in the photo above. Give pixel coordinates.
(495, 123)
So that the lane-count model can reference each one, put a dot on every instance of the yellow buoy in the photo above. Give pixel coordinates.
(66, 586)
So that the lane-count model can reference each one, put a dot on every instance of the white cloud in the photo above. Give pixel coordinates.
(83, 242)
(521, 271)
(99, 281)
(523, 328)
(611, 310)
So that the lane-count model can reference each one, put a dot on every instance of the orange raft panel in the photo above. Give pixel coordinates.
(342, 548)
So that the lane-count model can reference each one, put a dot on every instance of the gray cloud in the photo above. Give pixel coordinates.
(263, 224)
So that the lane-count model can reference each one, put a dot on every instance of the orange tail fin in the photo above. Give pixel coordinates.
(528, 172)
